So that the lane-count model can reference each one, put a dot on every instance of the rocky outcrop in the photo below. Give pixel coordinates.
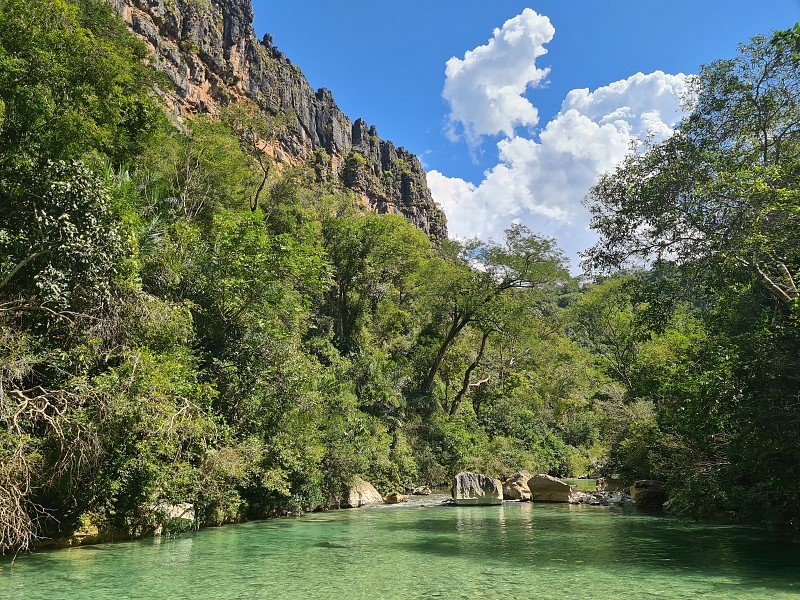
(395, 498)
(210, 53)
(476, 488)
(516, 486)
(170, 519)
(361, 493)
(545, 488)
(600, 498)
(649, 494)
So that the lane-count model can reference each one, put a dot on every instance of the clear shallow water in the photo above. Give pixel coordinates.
(518, 550)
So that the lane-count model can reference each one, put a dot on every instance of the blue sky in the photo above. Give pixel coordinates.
(512, 140)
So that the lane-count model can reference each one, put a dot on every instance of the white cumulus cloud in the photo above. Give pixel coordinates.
(541, 182)
(486, 89)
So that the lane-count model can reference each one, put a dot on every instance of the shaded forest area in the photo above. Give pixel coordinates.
(166, 337)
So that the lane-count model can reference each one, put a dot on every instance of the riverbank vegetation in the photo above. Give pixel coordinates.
(182, 321)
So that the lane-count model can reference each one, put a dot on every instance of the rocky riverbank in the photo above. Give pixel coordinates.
(478, 489)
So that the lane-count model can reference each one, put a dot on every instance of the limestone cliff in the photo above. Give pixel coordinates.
(209, 50)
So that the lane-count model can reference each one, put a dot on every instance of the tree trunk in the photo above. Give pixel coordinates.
(465, 385)
(458, 324)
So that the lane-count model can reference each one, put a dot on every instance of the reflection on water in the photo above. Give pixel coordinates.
(518, 550)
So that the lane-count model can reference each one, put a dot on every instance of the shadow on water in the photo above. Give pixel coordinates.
(533, 535)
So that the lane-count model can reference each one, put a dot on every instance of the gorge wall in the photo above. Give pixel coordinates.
(209, 51)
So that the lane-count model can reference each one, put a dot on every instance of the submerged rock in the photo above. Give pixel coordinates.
(516, 487)
(361, 493)
(649, 494)
(476, 488)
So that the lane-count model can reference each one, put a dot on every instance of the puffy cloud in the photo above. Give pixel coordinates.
(541, 182)
(485, 89)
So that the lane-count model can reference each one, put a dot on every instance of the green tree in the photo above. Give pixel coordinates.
(71, 82)
(61, 243)
(468, 288)
(717, 206)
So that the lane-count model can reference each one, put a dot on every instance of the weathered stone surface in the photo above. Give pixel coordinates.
(476, 488)
(395, 498)
(516, 486)
(649, 494)
(173, 518)
(210, 53)
(619, 499)
(545, 488)
(361, 493)
(422, 490)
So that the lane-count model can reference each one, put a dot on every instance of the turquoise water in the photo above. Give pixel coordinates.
(518, 550)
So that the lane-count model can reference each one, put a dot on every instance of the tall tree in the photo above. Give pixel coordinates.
(718, 206)
(477, 277)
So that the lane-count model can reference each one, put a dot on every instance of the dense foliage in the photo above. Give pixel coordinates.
(715, 210)
(183, 321)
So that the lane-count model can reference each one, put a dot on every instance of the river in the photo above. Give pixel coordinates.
(517, 550)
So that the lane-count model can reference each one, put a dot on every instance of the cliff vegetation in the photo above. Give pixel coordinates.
(189, 316)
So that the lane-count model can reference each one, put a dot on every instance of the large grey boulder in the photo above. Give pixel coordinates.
(516, 486)
(545, 488)
(649, 494)
(476, 488)
(361, 493)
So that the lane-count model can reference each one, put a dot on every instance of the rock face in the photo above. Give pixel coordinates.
(210, 53)
(649, 494)
(545, 488)
(361, 493)
(475, 488)
(173, 518)
(516, 486)
(600, 498)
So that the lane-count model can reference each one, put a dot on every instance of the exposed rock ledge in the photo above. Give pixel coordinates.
(211, 55)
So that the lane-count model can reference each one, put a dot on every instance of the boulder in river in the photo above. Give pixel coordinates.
(395, 498)
(476, 488)
(618, 499)
(649, 494)
(361, 493)
(516, 486)
(422, 490)
(545, 488)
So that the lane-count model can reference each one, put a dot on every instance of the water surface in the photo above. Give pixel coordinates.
(518, 550)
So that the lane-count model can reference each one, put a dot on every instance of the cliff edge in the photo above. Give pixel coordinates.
(208, 49)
